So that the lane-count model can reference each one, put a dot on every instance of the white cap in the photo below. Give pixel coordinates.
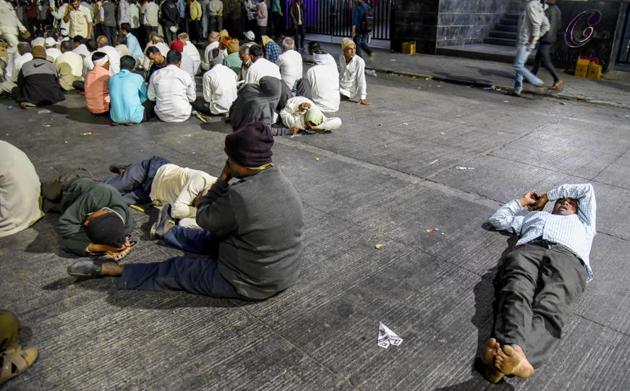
(250, 35)
(39, 41)
(50, 42)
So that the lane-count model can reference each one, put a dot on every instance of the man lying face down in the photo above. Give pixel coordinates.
(94, 217)
(253, 242)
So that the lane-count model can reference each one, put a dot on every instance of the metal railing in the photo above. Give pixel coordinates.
(334, 17)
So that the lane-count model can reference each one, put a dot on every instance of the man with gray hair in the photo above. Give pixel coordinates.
(290, 63)
(16, 60)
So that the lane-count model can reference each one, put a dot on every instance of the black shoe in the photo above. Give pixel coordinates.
(158, 229)
(85, 268)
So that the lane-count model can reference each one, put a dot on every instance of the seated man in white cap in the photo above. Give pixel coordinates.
(96, 85)
(260, 67)
(301, 114)
(52, 51)
(191, 51)
(352, 84)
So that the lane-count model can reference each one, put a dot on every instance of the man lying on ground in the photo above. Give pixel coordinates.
(301, 113)
(540, 278)
(94, 217)
(164, 184)
(255, 241)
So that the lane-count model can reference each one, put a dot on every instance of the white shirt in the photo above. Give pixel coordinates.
(215, 7)
(352, 77)
(10, 23)
(134, 16)
(178, 186)
(123, 12)
(188, 65)
(261, 68)
(150, 11)
(323, 83)
(15, 65)
(114, 57)
(88, 65)
(82, 50)
(74, 60)
(172, 89)
(293, 117)
(78, 22)
(219, 88)
(191, 51)
(52, 54)
(208, 60)
(290, 63)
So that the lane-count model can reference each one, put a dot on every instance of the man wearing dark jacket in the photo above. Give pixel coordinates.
(169, 17)
(253, 232)
(37, 83)
(543, 55)
(94, 216)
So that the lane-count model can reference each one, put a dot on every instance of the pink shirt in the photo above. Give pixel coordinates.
(96, 90)
(261, 14)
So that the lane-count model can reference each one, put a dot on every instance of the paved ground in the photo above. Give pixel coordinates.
(495, 75)
(419, 171)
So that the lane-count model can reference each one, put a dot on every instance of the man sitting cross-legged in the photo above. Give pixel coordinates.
(254, 241)
(540, 278)
(94, 217)
(164, 184)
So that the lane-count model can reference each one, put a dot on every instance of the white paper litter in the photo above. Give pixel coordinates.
(387, 337)
(464, 168)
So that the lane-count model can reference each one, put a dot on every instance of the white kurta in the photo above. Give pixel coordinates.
(172, 89)
(178, 186)
(114, 57)
(323, 83)
(352, 77)
(19, 191)
(193, 53)
(219, 88)
(291, 70)
(293, 117)
(261, 68)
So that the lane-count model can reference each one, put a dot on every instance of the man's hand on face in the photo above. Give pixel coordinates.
(540, 203)
(305, 106)
(226, 174)
(528, 199)
(197, 200)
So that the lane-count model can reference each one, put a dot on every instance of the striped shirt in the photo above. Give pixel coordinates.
(576, 232)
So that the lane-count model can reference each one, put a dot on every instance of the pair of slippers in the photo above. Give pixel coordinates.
(15, 361)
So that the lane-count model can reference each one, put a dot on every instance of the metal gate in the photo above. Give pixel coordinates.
(623, 56)
(334, 17)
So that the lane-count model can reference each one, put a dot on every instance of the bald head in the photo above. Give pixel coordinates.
(102, 41)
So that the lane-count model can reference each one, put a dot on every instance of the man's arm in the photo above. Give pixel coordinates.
(510, 216)
(290, 119)
(214, 212)
(585, 195)
(191, 92)
(361, 82)
(151, 89)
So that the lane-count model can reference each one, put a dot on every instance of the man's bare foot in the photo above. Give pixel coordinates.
(492, 374)
(111, 269)
(511, 360)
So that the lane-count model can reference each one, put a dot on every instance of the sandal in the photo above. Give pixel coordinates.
(16, 362)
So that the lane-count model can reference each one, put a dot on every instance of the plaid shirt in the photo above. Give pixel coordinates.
(272, 52)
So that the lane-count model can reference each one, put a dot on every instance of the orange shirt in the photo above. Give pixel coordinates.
(96, 90)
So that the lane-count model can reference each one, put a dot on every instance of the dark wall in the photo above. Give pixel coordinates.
(415, 20)
(462, 22)
(600, 45)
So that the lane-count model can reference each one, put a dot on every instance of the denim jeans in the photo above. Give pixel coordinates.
(361, 40)
(135, 183)
(192, 240)
(522, 53)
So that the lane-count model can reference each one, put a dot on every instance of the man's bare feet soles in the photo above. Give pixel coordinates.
(490, 373)
(511, 360)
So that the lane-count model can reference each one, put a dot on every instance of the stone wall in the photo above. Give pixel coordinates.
(463, 22)
(415, 20)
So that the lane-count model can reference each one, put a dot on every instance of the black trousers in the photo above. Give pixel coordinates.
(536, 285)
(299, 32)
(543, 57)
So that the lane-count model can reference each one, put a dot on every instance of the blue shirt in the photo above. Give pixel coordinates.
(134, 46)
(272, 51)
(576, 232)
(127, 92)
(358, 10)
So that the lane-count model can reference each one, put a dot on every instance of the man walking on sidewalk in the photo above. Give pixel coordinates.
(533, 24)
(543, 56)
(361, 27)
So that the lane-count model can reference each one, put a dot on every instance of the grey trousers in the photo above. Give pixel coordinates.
(536, 285)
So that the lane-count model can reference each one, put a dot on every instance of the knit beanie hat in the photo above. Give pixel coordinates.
(314, 115)
(38, 52)
(249, 35)
(178, 45)
(107, 229)
(250, 146)
(347, 42)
